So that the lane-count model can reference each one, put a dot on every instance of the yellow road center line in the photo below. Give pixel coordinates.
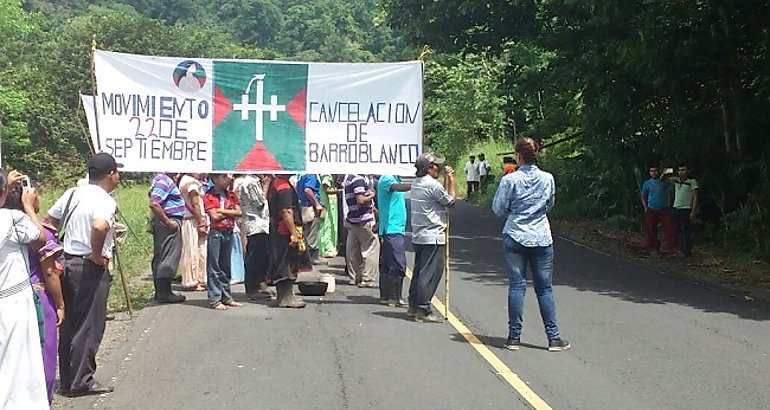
(501, 368)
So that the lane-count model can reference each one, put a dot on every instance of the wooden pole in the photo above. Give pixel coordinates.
(98, 148)
(446, 266)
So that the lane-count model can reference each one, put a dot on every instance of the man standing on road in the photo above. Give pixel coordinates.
(525, 197)
(472, 175)
(686, 201)
(392, 206)
(256, 224)
(363, 248)
(284, 241)
(429, 200)
(484, 169)
(656, 199)
(309, 192)
(87, 216)
(168, 211)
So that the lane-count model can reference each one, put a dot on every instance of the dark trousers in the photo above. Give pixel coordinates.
(257, 248)
(484, 180)
(684, 230)
(284, 259)
(167, 249)
(428, 269)
(85, 287)
(663, 216)
(393, 255)
(218, 265)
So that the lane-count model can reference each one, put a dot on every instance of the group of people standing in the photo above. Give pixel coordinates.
(53, 294)
(477, 174)
(672, 202)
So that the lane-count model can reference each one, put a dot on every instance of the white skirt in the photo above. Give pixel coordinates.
(22, 381)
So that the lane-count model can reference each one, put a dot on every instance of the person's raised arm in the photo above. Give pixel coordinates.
(400, 187)
(28, 199)
(449, 184)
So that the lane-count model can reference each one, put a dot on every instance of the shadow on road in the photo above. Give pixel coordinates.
(475, 249)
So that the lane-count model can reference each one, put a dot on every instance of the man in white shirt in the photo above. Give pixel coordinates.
(86, 215)
(472, 175)
(484, 169)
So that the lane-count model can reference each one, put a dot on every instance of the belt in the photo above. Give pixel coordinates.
(71, 256)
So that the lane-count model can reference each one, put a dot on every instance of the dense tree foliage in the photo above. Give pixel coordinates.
(635, 82)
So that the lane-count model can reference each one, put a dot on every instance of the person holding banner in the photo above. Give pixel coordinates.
(222, 206)
(525, 197)
(168, 210)
(285, 241)
(392, 227)
(86, 214)
(429, 221)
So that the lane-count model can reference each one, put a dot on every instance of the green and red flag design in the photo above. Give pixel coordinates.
(259, 116)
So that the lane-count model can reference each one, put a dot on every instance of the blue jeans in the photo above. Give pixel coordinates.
(540, 261)
(220, 244)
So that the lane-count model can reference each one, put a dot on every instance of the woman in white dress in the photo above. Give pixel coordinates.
(22, 380)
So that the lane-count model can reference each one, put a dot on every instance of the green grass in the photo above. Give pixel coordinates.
(135, 252)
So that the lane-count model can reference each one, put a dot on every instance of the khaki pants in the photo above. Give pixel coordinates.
(362, 252)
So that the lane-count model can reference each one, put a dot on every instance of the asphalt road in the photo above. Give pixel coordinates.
(641, 339)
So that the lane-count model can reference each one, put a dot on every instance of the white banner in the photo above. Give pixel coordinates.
(202, 115)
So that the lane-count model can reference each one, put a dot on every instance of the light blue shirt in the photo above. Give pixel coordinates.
(525, 197)
(392, 206)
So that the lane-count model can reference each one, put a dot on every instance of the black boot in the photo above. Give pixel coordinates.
(385, 289)
(163, 293)
(397, 287)
(286, 297)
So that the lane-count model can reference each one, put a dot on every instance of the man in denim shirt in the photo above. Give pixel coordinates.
(524, 197)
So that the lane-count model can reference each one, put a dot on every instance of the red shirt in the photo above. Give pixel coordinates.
(282, 196)
(214, 201)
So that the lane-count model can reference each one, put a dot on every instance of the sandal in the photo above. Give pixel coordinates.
(219, 306)
(233, 303)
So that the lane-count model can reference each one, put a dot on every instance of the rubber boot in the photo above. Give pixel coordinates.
(385, 289)
(286, 297)
(163, 293)
(265, 291)
(396, 288)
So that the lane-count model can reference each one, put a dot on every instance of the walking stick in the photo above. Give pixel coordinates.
(446, 266)
(119, 265)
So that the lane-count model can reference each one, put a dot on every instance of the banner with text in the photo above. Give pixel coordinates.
(201, 115)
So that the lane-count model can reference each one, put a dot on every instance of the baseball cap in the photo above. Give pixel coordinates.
(424, 161)
(102, 164)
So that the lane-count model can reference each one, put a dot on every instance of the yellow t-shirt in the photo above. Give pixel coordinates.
(683, 192)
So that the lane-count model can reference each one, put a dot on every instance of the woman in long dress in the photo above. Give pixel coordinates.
(22, 379)
(44, 272)
(327, 243)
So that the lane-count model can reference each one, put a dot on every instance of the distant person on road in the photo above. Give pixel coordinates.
(484, 169)
(392, 228)
(657, 196)
(429, 200)
(525, 197)
(686, 203)
(222, 207)
(86, 214)
(168, 210)
(471, 175)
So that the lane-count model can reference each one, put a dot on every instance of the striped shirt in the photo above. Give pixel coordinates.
(355, 185)
(166, 194)
(429, 200)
